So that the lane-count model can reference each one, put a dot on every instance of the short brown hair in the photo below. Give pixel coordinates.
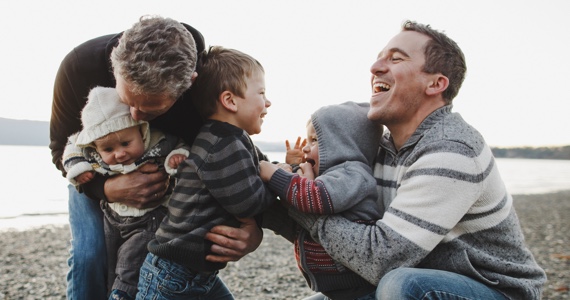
(442, 55)
(221, 69)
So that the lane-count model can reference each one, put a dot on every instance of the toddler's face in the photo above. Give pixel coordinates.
(312, 148)
(121, 147)
(252, 108)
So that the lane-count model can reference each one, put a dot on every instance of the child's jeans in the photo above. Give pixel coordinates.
(162, 279)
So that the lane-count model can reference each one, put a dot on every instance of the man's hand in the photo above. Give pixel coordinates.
(141, 189)
(231, 244)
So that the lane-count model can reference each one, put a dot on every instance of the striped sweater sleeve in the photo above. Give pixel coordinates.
(231, 175)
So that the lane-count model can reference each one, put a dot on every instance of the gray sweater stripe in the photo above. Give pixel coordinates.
(417, 221)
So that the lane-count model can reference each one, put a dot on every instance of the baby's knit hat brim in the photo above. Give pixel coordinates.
(104, 113)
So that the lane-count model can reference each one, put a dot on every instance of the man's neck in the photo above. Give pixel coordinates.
(401, 132)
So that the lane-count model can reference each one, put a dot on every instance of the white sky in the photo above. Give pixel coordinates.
(319, 52)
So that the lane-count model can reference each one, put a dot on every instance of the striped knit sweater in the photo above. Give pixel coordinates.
(217, 183)
(445, 207)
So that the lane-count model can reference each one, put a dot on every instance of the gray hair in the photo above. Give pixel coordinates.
(156, 56)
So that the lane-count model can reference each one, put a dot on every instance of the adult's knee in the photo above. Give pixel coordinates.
(393, 285)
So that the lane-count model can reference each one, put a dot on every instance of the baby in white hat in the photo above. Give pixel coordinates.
(112, 143)
(130, 145)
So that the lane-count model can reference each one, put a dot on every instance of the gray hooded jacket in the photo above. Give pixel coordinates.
(348, 143)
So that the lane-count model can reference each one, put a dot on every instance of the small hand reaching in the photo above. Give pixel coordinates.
(175, 160)
(295, 155)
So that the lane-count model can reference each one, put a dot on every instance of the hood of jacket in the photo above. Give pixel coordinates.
(345, 133)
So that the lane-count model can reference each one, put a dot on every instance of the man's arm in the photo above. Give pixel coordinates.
(427, 205)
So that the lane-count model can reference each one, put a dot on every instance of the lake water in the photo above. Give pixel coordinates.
(34, 193)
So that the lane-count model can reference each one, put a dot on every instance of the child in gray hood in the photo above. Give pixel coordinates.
(336, 178)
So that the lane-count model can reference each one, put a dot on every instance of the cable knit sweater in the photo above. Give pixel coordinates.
(445, 207)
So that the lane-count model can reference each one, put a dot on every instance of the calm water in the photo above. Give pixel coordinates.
(35, 193)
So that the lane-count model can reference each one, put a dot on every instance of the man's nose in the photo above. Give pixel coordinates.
(378, 66)
(137, 114)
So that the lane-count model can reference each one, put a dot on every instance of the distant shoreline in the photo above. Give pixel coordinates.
(36, 133)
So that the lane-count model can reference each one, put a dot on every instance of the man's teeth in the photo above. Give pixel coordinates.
(381, 87)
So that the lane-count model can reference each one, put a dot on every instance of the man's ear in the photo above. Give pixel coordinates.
(194, 76)
(228, 101)
(437, 85)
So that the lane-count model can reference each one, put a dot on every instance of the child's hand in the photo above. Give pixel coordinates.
(266, 170)
(295, 156)
(306, 171)
(286, 167)
(175, 160)
(84, 177)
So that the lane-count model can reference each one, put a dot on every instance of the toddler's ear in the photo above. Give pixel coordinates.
(227, 100)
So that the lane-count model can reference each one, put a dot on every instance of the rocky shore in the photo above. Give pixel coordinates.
(33, 262)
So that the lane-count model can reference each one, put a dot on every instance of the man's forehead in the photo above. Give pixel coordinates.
(406, 42)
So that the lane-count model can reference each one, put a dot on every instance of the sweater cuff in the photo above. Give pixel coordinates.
(279, 183)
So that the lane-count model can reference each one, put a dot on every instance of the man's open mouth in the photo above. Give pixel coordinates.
(381, 87)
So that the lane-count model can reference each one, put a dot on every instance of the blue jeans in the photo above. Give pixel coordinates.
(162, 279)
(88, 258)
(426, 284)
(320, 296)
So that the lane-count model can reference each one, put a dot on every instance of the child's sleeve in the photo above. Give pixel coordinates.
(74, 162)
(301, 193)
(232, 177)
(337, 190)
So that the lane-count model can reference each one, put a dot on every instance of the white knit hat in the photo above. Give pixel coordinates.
(105, 113)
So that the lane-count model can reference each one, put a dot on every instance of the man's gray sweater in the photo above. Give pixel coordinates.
(445, 207)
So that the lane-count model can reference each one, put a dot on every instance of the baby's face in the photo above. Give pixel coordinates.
(312, 148)
(122, 147)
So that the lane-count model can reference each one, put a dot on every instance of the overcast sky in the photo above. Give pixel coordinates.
(320, 52)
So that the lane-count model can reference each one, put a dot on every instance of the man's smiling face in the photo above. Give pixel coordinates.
(398, 82)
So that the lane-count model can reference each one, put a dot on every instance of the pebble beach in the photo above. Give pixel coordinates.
(33, 262)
